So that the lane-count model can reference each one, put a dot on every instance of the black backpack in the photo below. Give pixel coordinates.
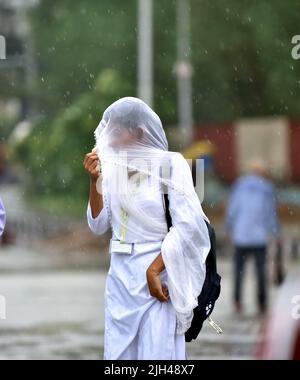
(211, 288)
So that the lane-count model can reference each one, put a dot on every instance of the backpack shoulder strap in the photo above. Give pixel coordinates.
(167, 210)
(166, 203)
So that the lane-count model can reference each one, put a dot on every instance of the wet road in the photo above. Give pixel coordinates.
(52, 315)
(58, 314)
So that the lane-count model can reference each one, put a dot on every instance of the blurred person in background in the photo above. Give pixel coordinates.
(2, 217)
(6, 174)
(251, 222)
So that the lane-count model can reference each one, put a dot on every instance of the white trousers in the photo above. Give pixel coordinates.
(137, 325)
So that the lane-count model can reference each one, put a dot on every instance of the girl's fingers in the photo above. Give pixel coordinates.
(91, 160)
(93, 165)
(91, 155)
(165, 292)
(86, 158)
(161, 296)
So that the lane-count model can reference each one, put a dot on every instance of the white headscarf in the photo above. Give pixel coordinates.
(130, 137)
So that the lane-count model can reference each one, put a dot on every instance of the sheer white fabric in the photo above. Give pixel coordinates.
(133, 150)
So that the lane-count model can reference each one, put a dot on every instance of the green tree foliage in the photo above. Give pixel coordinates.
(241, 56)
(54, 151)
(242, 59)
(75, 40)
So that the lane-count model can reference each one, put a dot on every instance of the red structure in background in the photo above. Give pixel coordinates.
(294, 158)
(224, 138)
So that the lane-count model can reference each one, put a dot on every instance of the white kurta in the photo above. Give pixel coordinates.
(137, 325)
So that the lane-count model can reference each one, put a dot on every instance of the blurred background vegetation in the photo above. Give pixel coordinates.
(86, 57)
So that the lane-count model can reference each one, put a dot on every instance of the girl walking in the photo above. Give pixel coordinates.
(155, 275)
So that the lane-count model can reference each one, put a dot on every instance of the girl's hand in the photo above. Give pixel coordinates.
(91, 164)
(156, 288)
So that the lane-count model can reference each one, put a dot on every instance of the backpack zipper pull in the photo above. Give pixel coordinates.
(214, 325)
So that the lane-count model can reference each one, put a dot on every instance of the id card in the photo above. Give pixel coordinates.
(117, 247)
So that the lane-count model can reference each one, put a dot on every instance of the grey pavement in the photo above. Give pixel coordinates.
(56, 312)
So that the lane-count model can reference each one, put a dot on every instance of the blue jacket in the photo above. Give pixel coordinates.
(251, 217)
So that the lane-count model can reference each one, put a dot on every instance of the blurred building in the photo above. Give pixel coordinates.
(20, 61)
(275, 140)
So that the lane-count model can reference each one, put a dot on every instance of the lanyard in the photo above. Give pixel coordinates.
(124, 217)
(124, 220)
(124, 213)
